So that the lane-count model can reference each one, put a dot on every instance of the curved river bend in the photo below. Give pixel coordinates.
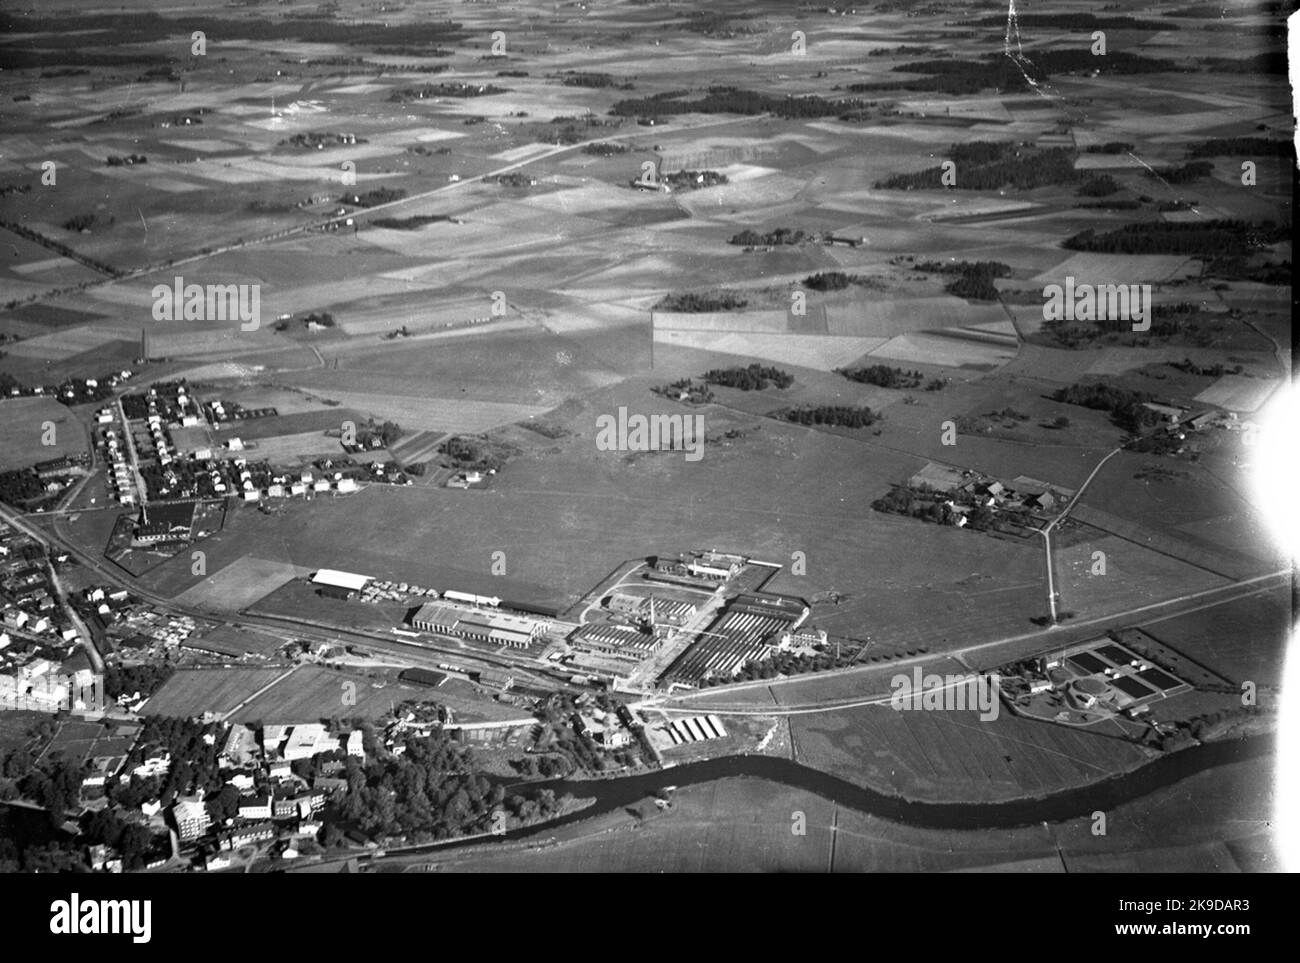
(1165, 771)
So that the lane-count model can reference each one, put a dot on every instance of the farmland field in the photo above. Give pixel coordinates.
(470, 222)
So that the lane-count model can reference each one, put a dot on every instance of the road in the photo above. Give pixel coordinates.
(1047, 532)
(410, 199)
(142, 490)
(1023, 646)
(15, 520)
(424, 654)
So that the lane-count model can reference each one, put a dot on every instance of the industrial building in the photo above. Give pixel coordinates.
(478, 625)
(617, 640)
(338, 585)
(709, 566)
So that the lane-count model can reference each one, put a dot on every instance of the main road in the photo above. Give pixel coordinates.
(1016, 647)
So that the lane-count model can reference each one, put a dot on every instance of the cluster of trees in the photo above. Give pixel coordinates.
(541, 766)
(883, 376)
(1241, 147)
(580, 78)
(927, 506)
(787, 663)
(86, 222)
(514, 179)
(694, 180)
(20, 487)
(1195, 239)
(701, 301)
(732, 100)
(473, 454)
(773, 238)
(1126, 408)
(1099, 185)
(829, 281)
(194, 765)
(126, 160)
(386, 434)
(756, 377)
(412, 223)
(1216, 370)
(1022, 168)
(695, 394)
(605, 149)
(841, 416)
(430, 789)
(145, 679)
(1184, 174)
(974, 280)
(1110, 147)
(135, 843)
(373, 198)
(425, 91)
(315, 139)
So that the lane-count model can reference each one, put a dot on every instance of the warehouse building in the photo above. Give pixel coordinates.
(495, 628)
(338, 585)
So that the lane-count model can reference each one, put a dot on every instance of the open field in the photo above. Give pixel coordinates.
(192, 692)
(313, 693)
(37, 429)
(490, 227)
(744, 825)
(238, 584)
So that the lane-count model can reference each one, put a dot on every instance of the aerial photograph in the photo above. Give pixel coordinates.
(643, 436)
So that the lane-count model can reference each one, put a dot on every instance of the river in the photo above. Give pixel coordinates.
(1081, 801)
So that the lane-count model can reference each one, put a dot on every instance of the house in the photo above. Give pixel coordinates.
(353, 744)
(255, 807)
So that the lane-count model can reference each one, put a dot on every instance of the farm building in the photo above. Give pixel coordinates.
(338, 585)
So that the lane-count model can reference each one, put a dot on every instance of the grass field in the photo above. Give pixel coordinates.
(192, 692)
(1243, 640)
(313, 693)
(238, 584)
(1209, 823)
(953, 755)
(26, 424)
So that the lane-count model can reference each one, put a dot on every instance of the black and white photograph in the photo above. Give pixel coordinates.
(622, 437)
